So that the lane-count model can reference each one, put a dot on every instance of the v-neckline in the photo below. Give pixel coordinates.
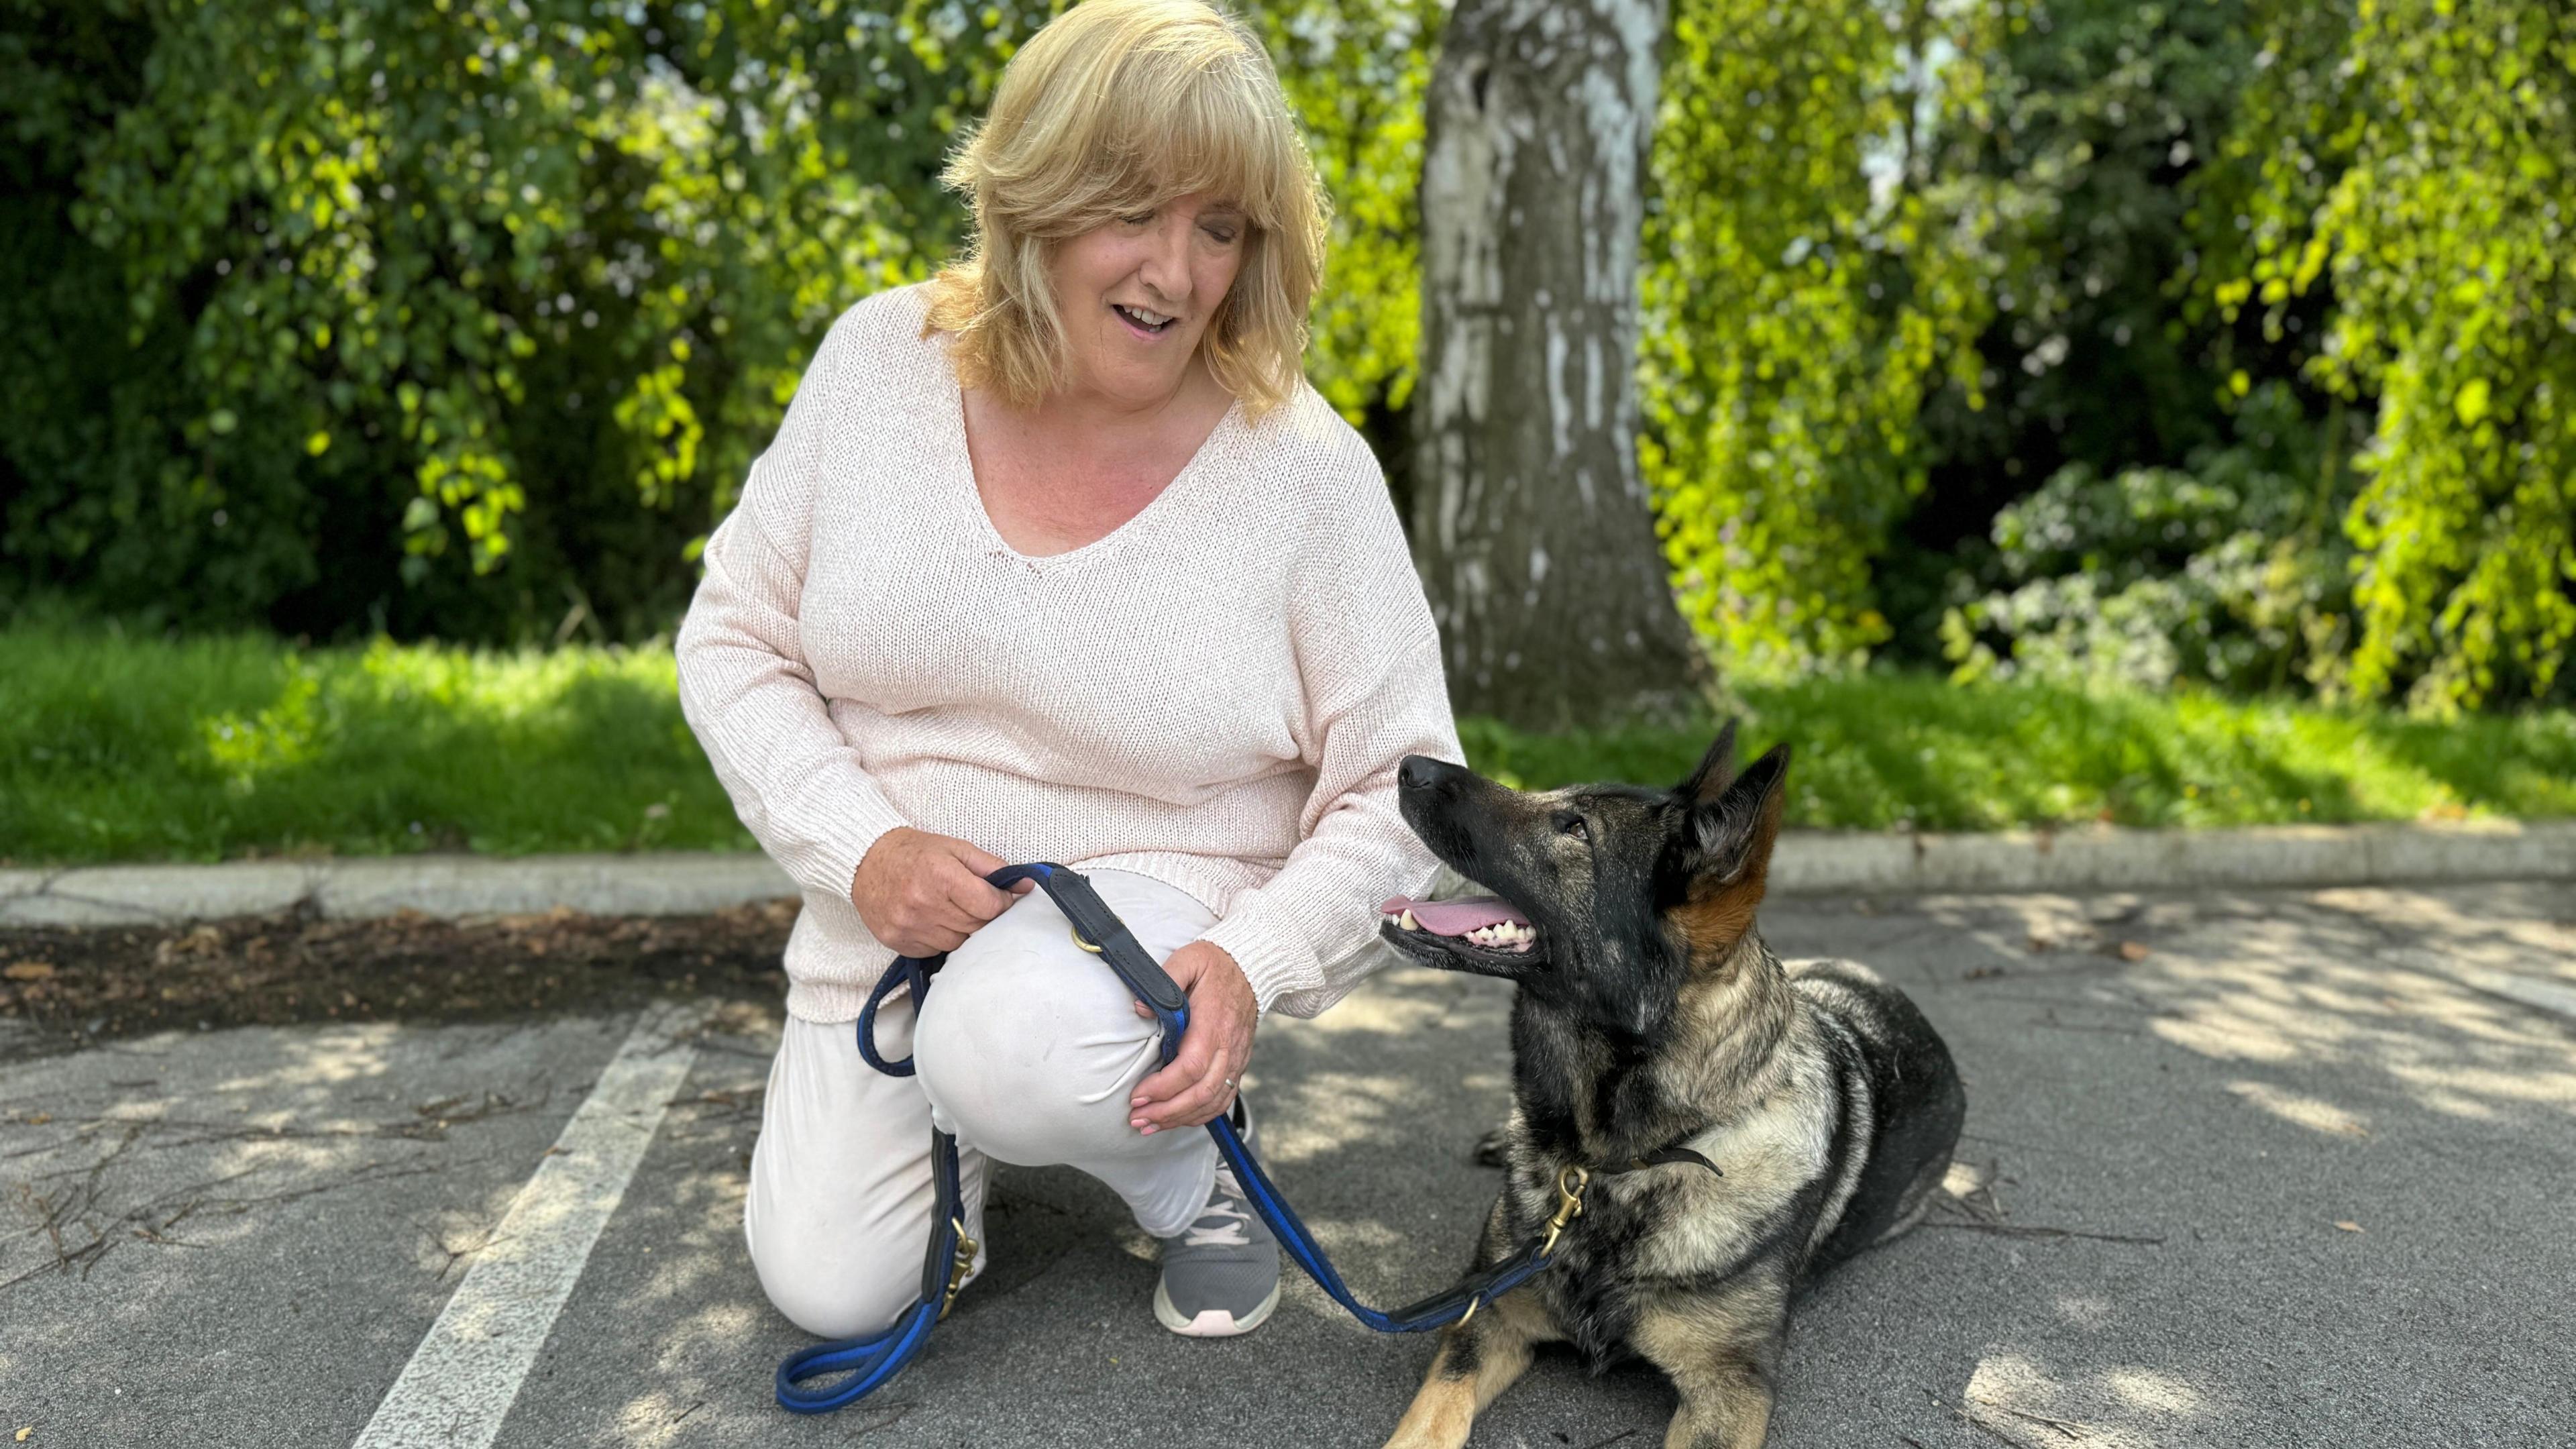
(974, 499)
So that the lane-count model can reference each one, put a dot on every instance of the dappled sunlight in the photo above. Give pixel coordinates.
(2374, 988)
(652, 1417)
(2228, 1039)
(2125, 1250)
(2158, 1393)
(215, 1140)
(2555, 1088)
(1403, 998)
(2306, 1112)
(1331, 1110)
(2090, 1314)
(2019, 1398)
(325, 1059)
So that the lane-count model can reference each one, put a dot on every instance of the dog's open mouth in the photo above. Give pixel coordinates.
(1487, 922)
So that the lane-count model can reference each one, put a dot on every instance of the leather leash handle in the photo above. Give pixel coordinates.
(1102, 932)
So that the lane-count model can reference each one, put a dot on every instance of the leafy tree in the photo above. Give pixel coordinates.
(1809, 280)
(2415, 154)
(2089, 120)
(442, 284)
(467, 316)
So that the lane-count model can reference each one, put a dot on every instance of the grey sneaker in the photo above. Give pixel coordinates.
(1221, 1275)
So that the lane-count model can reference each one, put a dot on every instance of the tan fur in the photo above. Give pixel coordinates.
(1719, 912)
(1450, 1400)
(1716, 917)
(1742, 1011)
(1715, 1348)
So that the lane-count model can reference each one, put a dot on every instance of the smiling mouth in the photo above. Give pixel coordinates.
(1138, 319)
(1487, 924)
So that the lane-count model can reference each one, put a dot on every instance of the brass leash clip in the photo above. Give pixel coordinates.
(957, 1271)
(1569, 1203)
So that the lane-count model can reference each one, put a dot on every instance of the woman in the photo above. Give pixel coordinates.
(1058, 557)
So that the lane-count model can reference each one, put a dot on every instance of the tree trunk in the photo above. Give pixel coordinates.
(1531, 526)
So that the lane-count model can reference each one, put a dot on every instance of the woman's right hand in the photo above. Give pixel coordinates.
(924, 894)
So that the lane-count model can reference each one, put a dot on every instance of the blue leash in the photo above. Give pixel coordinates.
(873, 1360)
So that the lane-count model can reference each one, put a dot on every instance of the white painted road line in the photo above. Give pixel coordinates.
(462, 1379)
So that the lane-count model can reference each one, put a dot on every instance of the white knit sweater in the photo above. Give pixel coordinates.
(1215, 695)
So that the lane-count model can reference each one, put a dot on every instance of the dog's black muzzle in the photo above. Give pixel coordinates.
(1428, 792)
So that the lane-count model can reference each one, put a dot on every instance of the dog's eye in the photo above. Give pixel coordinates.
(1571, 824)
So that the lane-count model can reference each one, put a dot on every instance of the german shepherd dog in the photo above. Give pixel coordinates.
(1746, 1125)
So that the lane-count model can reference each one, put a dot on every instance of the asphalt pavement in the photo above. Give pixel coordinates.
(2282, 1168)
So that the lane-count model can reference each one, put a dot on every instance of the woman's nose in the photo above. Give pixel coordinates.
(1167, 260)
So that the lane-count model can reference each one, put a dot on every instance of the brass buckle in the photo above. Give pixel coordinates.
(1076, 933)
(1569, 1203)
(957, 1271)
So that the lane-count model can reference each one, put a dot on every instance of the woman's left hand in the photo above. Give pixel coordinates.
(1200, 1082)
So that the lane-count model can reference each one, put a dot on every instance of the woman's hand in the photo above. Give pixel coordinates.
(924, 894)
(1200, 1082)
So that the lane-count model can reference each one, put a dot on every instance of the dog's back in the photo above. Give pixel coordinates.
(1897, 1076)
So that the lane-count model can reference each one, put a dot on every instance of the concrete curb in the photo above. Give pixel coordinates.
(1807, 863)
(676, 883)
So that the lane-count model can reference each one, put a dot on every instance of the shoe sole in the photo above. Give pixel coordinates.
(1213, 1322)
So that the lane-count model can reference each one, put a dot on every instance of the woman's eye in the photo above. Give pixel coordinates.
(1224, 237)
(1137, 218)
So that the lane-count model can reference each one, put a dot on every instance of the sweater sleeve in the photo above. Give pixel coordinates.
(1369, 656)
(745, 685)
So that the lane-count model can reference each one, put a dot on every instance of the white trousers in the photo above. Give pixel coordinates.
(1027, 1050)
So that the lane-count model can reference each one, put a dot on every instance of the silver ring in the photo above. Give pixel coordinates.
(1229, 1082)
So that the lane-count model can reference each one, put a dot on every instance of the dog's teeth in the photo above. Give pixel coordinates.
(1406, 922)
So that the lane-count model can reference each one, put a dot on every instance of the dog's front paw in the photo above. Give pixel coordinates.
(1439, 1419)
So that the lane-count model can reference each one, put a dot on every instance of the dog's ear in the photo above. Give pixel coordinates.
(1730, 856)
(1716, 770)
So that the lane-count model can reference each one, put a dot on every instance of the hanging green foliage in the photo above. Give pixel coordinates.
(1808, 280)
(467, 316)
(491, 265)
(2416, 155)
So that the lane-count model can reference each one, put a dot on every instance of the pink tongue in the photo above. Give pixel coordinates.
(1455, 918)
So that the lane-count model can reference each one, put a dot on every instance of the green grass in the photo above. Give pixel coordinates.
(115, 748)
(1889, 751)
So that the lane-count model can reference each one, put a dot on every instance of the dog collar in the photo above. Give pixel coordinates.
(1661, 1156)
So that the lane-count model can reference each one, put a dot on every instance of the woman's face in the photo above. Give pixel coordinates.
(1136, 295)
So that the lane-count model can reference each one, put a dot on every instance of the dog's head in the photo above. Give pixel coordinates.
(1609, 897)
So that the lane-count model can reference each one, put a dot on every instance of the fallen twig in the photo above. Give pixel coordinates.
(2017, 1230)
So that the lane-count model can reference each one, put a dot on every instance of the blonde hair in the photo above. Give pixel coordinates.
(1115, 107)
